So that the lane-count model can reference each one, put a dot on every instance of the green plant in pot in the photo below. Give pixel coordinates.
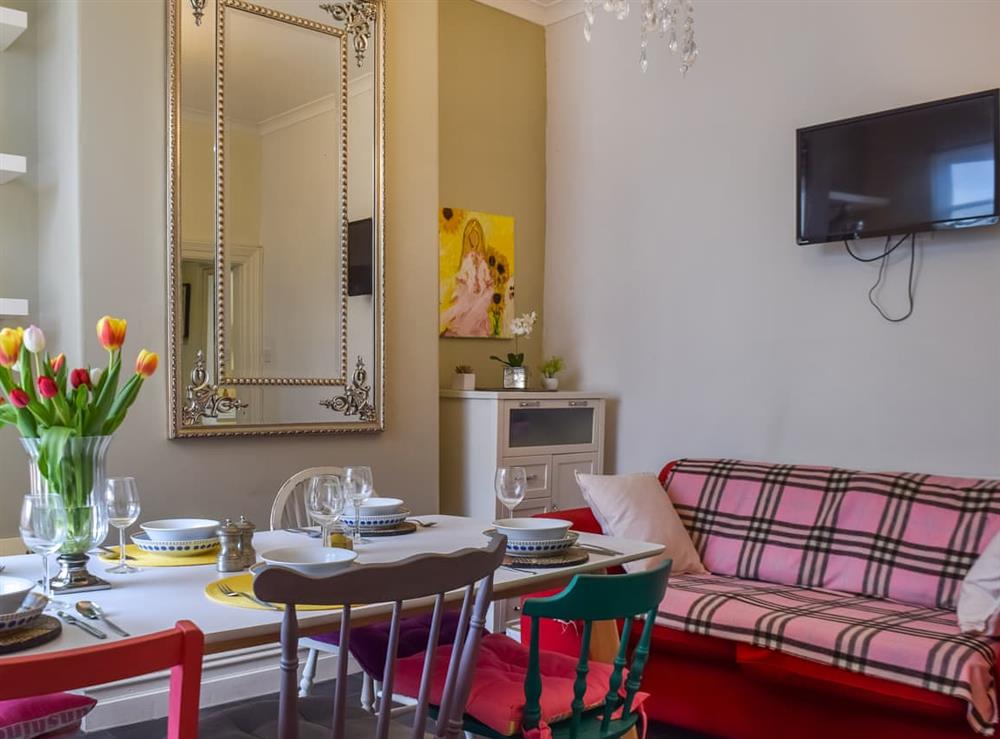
(549, 369)
(66, 419)
(515, 374)
(464, 378)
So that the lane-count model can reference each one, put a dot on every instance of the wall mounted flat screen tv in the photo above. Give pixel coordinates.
(359, 257)
(920, 168)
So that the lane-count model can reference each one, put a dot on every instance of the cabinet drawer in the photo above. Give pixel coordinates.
(539, 472)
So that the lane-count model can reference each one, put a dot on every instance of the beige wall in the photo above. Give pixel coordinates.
(675, 282)
(492, 134)
(122, 226)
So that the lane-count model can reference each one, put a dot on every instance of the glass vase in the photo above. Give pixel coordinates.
(78, 477)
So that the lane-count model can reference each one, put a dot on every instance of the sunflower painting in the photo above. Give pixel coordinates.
(476, 267)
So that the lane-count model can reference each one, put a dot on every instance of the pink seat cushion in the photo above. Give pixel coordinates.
(43, 715)
(497, 695)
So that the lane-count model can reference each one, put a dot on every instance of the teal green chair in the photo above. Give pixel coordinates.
(591, 598)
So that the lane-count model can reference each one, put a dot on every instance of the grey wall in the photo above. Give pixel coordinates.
(672, 275)
(121, 156)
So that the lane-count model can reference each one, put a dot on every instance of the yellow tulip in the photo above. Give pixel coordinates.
(111, 332)
(10, 346)
(146, 363)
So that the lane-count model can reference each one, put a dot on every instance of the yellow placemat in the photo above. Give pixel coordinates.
(147, 559)
(244, 584)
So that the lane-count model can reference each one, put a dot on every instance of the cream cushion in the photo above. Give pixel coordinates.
(637, 507)
(979, 599)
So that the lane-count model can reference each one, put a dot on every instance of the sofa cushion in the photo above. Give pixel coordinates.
(909, 644)
(636, 507)
(907, 537)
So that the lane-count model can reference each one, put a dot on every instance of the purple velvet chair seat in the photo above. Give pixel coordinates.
(369, 643)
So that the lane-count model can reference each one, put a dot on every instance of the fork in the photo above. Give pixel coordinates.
(113, 552)
(230, 593)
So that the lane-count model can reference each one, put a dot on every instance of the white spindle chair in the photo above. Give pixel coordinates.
(289, 510)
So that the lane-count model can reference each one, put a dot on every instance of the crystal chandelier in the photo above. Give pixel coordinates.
(672, 19)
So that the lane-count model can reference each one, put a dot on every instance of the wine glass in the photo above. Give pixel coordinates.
(121, 497)
(43, 528)
(359, 486)
(511, 484)
(325, 503)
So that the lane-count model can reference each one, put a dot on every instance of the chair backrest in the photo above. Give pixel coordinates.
(590, 598)
(289, 507)
(179, 649)
(422, 576)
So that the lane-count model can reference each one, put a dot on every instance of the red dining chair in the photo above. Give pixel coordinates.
(179, 648)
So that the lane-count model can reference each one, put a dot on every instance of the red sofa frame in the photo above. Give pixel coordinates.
(731, 689)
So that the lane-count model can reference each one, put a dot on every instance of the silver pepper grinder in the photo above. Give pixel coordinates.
(247, 551)
(230, 547)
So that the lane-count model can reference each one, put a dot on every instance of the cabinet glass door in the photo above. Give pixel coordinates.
(550, 425)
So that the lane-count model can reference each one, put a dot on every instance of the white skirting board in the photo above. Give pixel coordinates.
(13, 307)
(12, 24)
(225, 678)
(11, 167)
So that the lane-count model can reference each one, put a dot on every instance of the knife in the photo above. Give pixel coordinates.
(71, 619)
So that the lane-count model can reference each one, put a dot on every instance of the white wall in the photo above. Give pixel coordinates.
(672, 275)
(122, 230)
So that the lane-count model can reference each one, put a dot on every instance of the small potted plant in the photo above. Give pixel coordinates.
(464, 378)
(550, 367)
(515, 374)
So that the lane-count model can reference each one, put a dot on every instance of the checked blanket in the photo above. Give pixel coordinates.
(910, 644)
(906, 537)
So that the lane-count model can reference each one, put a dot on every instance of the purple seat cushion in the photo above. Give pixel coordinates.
(54, 714)
(369, 643)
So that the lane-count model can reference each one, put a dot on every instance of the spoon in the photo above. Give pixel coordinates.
(91, 610)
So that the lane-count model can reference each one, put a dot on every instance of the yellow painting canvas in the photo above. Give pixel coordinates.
(476, 265)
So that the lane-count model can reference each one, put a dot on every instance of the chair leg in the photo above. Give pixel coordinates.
(308, 673)
(367, 693)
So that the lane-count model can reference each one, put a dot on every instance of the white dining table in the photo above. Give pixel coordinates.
(156, 597)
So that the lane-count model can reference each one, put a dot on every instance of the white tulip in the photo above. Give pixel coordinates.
(95, 376)
(34, 339)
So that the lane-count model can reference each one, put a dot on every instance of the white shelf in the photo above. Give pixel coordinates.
(12, 24)
(11, 167)
(13, 307)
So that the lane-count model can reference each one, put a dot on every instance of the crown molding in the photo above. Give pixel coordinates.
(542, 12)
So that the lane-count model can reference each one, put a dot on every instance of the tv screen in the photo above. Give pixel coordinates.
(359, 257)
(919, 168)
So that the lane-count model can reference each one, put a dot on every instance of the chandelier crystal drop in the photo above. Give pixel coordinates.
(673, 20)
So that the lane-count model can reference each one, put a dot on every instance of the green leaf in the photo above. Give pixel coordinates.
(501, 361)
(124, 401)
(98, 414)
(51, 454)
(515, 360)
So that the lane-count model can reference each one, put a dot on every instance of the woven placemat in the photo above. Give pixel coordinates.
(407, 527)
(42, 631)
(572, 556)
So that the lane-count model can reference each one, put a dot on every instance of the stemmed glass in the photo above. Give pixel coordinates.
(43, 528)
(121, 497)
(359, 485)
(511, 484)
(325, 503)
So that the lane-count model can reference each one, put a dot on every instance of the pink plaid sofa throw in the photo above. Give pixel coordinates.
(906, 537)
(857, 570)
(910, 644)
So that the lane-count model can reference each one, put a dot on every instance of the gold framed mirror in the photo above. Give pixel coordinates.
(276, 217)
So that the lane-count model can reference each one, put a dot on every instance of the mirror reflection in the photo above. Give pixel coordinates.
(288, 204)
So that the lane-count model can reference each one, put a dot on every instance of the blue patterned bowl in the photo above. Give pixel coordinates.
(175, 548)
(26, 615)
(548, 548)
(380, 521)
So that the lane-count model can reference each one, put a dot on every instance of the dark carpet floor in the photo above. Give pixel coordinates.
(158, 729)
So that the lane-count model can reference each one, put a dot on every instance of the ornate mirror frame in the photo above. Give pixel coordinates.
(360, 402)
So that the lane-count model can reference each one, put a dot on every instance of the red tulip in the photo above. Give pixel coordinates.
(19, 398)
(57, 362)
(47, 387)
(79, 376)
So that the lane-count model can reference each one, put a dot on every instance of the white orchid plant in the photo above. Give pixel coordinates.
(520, 326)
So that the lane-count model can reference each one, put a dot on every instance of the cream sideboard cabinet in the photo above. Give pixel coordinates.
(552, 435)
